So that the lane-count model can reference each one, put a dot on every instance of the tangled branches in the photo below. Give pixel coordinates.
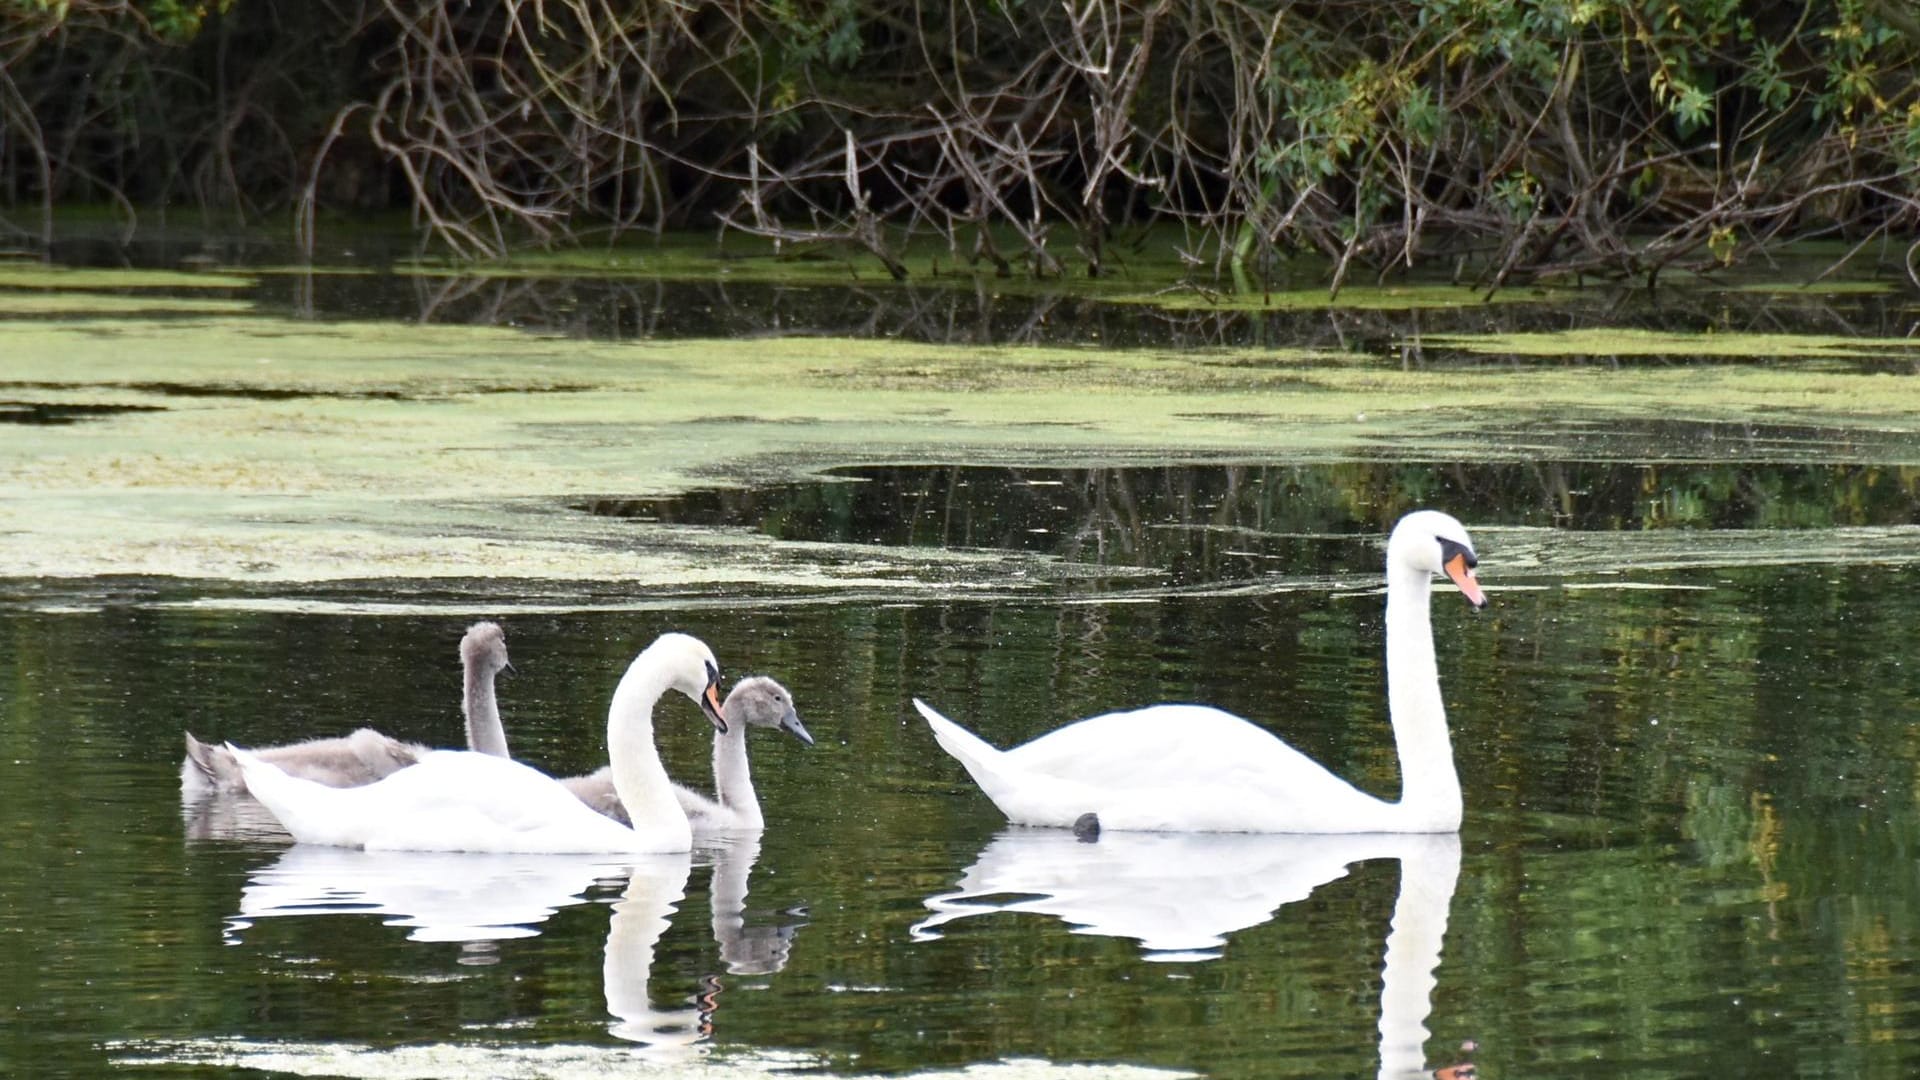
(1503, 141)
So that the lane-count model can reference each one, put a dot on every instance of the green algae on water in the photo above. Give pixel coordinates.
(257, 448)
(46, 304)
(1600, 342)
(1196, 297)
(33, 275)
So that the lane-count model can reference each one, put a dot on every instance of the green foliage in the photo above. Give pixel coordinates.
(812, 32)
(1515, 193)
(1550, 95)
(1376, 131)
(166, 20)
(175, 20)
(1908, 144)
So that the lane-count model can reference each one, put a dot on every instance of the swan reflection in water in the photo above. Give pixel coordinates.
(223, 816)
(641, 916)
(1181, 894)
(439, 896)
(478, 900)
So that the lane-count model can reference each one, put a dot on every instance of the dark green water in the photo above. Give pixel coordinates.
(965, 310)
(1692, 844)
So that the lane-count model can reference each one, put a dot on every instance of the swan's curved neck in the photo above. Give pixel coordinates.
(732, 780)
(484, 733)
(638, 776)
(1430, 786)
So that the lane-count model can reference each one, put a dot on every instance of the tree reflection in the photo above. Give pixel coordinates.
(1208, 524)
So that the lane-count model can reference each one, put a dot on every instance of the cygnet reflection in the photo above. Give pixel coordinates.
(744, 949)
(229, 817)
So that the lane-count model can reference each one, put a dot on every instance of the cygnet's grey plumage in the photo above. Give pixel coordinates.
(754, 702)
(366, 755)
(483, 654)
(340, 761)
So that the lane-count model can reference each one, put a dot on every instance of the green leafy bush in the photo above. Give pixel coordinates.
(1511, 137)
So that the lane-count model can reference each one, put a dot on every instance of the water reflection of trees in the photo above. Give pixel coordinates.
(1209, 523)
(973, 312)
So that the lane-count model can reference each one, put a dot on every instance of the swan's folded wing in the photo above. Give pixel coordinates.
(465, 801)
(1182, 766)
(1164, 744)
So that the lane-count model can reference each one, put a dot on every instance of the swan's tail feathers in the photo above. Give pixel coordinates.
(208, 770)
(301, 806)
(984, 762)
(964, 745)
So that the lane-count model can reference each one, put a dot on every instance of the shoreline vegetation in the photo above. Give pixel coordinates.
(1491, 145)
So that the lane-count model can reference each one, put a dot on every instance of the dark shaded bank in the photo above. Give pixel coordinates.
(1501, 143)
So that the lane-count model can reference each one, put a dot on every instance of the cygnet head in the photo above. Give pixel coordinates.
(690, 669)
(760, 702)
(1431, 542)
(484, 648)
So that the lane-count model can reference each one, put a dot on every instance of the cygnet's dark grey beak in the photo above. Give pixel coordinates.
(791, 722)
(710, 700)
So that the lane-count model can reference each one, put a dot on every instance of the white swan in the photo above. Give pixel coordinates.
(459, 800)
(754, 702)
(1192, 768)
(366, 755)
(757, 701)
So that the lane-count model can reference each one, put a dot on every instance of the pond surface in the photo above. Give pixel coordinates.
(1690, 844)
(1685, 725)
(695, 288)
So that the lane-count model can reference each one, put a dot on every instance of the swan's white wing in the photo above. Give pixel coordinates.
(1164, 745)
(453, 800)
(1163, 742)
(1179, 767)
(464, 801)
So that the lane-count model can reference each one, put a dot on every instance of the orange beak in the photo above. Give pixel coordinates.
(710, 704)
(1462, 575)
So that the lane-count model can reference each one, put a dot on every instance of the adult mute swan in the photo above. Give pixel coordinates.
(365, 755)
(460, 800)
(1192, 768)
(753, 702)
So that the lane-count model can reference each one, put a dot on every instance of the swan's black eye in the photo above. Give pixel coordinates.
(1450, 548)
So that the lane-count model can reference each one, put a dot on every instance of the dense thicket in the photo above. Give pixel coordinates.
(1508, 136)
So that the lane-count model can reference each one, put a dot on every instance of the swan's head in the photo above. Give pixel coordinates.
(691, 669)
(484, 647)
(761, 702)
(1431, 542)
